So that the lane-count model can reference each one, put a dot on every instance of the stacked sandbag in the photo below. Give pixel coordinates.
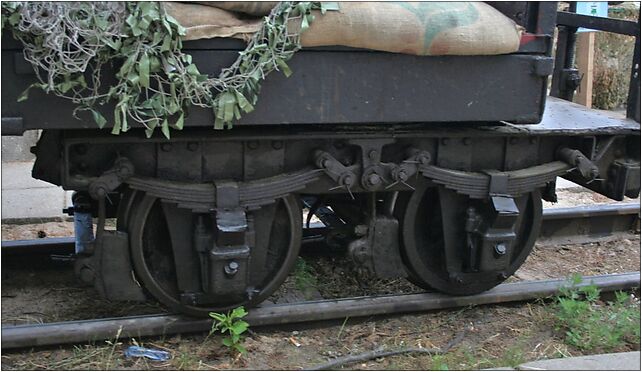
(418, 28)
(206, 22)
(254, 8)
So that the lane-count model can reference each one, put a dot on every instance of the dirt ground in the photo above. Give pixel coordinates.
(490, 336)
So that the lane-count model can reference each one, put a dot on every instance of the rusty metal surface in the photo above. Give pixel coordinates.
(155, 325)
(589, 223)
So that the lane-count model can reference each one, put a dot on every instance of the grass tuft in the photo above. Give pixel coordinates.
(590, 324)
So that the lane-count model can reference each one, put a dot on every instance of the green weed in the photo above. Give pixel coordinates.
(304, 277)
(590, 324)
(439, 363)
(232, 325)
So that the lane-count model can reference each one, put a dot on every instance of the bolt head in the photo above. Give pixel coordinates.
(374, 179)
(402, 175)
(424, 159)
(500, 249)
(348, 180)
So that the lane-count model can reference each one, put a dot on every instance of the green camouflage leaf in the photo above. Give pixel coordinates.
(165, 129)
(284, 67)
(143, 70)
(99, 118)
(179, 122)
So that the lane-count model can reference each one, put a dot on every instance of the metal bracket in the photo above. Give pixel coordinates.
(342, 175)
(111, 179)
(576, 158)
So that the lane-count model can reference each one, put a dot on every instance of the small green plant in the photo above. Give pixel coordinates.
(439, 363)
(513, 356)
(232, 325)
(304, 277)
(590, 324)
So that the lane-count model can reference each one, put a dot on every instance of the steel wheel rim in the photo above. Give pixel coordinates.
(137, 222)
(414, 253)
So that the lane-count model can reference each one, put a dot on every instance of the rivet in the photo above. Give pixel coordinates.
(253, 145)
(192, 146)
(513, 140)
(466, 141)
(166, 147)
(277, 145)
(444, 141)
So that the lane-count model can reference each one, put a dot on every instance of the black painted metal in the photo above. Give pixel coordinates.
(156, 325)
(342, 87)
(38, 246)
(617, 26)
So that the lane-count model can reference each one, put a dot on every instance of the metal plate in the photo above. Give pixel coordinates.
(563, 117)
(340, 88)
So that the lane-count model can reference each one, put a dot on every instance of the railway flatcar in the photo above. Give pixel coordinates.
(432, 168)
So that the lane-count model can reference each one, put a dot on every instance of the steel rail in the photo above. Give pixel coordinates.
(165, 324)
(591, 221)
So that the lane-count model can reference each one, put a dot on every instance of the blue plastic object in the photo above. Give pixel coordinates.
(141, 352)
(84, 230)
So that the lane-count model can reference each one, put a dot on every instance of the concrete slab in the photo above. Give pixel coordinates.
(17, 176)
(17, 148)
(24, 197)
(603, 362)
(33, 203)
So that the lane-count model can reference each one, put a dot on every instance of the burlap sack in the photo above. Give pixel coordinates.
(255, 8)
(205, 22)
(420, 28)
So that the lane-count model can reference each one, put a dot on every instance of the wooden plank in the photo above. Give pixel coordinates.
(584, 59)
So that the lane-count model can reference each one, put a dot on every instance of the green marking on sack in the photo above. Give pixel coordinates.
(436, 17)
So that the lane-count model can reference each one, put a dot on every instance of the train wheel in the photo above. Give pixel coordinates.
(156, 269)
(436, 247)
(396, 204)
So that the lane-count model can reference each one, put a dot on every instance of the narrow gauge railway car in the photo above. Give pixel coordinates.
(434, 167)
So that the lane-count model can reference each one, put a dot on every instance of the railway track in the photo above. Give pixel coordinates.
(166, 324)
(560, 225)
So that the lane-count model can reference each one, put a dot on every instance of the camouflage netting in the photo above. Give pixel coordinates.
(155, 82)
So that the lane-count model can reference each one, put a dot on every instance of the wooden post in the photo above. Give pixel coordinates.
(584, 59)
